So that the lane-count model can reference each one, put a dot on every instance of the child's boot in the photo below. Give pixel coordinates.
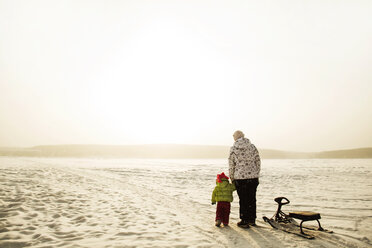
(218, 223)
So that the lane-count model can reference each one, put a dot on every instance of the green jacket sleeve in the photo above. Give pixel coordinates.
(233, 188)
(214, 196)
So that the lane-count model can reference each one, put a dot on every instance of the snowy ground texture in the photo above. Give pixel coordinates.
(166, 203)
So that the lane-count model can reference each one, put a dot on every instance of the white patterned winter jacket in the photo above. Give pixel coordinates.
(244, 160)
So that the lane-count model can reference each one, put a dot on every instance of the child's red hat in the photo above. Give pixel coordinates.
(220, 176)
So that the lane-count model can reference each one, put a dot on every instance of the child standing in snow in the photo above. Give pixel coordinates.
(222, 194)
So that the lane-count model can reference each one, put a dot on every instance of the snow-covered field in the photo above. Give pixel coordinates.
(53, 202)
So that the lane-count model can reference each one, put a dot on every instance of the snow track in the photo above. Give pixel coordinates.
(127, 203)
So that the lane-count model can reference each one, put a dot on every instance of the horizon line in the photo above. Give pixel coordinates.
(177, 144)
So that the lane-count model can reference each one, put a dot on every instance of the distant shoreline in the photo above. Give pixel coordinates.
(170, 152)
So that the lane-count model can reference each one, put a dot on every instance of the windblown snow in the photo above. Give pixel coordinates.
(61, 202)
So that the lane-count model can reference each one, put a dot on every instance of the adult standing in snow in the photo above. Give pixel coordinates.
(244, 171)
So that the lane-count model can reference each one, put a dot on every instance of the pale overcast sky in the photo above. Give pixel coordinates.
(293, 75)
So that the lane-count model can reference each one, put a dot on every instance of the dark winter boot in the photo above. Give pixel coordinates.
(243, 224)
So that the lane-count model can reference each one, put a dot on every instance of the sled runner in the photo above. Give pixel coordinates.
(286, 222)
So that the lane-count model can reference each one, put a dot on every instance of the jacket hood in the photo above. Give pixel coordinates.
(242, 143)
(224, 182)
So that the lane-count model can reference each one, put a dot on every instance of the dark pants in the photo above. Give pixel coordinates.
(246, 189)
(223, 212)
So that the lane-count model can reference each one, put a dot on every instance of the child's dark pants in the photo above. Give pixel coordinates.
(223, 212)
